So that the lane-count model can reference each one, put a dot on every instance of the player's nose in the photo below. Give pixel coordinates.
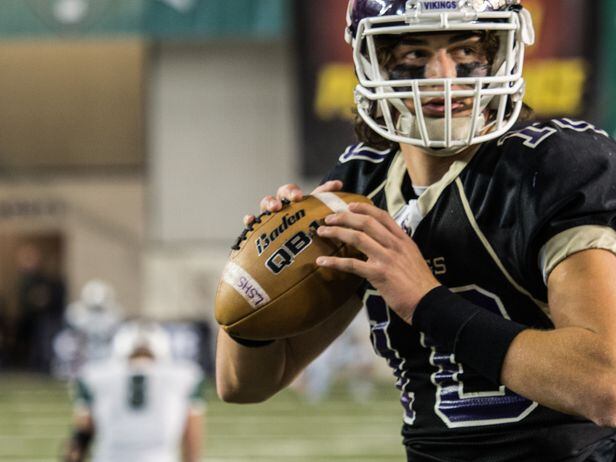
(441, 66)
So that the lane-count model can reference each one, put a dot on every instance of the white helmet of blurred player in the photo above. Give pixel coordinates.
(139, 336)
(96, 312)
(97, 294)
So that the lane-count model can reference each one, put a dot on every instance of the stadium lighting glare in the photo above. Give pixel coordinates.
(183, 6)
(71, 11)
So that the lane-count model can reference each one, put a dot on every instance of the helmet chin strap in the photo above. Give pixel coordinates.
(435, 127)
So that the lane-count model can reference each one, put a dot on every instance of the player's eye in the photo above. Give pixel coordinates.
(466, 52)
(415, 54)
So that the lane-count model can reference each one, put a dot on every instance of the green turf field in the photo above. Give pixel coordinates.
(34, 417)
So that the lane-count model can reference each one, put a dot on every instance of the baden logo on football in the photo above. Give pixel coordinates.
(265, 240)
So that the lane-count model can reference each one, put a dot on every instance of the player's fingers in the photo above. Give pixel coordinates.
(378, 214)
(365, 223)
(329, 186)
(361, 241)
(270, 204)
(248, 220)
(348, 265)
(290, 192)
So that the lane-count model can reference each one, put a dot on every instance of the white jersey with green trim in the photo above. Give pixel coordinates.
(139, 408)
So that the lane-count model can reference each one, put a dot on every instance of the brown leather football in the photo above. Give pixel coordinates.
(271, 286)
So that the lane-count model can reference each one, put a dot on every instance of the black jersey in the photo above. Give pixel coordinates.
(491, 229)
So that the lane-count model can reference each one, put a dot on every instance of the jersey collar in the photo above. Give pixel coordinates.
(395, 178)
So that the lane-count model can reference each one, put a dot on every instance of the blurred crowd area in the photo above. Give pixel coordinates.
(32, 309)
(43, 332)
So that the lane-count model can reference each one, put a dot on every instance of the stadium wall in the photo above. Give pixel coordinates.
(221, 135)
(99, 220)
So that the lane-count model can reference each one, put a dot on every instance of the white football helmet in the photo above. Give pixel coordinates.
(97, 293)
(96, 313)
(134, 335)
(381, 98)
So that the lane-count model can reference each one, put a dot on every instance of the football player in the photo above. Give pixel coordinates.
(490, 261)
(91, 322)
(140, 405)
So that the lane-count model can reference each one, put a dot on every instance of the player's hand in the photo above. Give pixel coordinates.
(290, 192)
(71, 454)
(394, 264)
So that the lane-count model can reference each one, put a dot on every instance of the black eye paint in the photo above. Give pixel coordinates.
(406, 72)
(475, 69)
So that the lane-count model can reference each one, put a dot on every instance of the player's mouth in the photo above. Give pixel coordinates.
(436, 107)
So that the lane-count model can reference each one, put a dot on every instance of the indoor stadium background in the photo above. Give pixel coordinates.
(134, 136)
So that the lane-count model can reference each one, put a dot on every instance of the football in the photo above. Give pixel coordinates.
(271, 286)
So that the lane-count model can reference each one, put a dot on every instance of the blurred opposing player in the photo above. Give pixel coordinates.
(95, 317)
(490, 253)
(91, 322)
(140, 405)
